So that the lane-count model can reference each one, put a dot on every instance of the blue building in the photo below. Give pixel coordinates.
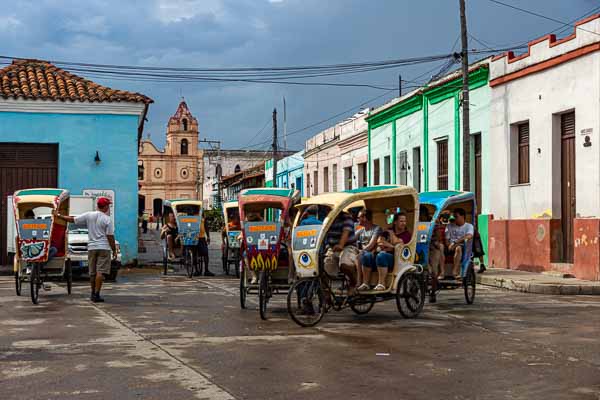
(290, 172)
(60, 130)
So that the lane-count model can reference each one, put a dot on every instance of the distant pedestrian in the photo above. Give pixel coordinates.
(145, 223)
(101, 241)
(158, 218)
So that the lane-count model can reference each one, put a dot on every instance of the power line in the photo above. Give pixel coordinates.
(259, 132)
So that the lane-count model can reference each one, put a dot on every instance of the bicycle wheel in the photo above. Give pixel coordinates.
(165, 261)
(189, 262)
(410, 295)
(469, 283)
(243, 291)
(362, 306)
(34, 284)
(18, 282)
(263, 293)
(305, 302)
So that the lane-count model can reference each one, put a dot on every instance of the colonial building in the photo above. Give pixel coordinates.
(61, 130)
(545, 178)
(172, 173)
(321, 161)
(290, 172)
(233, 184)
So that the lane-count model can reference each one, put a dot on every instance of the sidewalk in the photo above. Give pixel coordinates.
(531, 282)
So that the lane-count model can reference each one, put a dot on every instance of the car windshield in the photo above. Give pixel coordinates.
(77, 228)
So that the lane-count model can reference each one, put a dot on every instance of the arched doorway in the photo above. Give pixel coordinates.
(157, 206)
(141, 204)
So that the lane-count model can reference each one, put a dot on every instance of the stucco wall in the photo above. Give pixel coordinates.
(441, 125)
(381, 147)
(409, 134)
(79, 136)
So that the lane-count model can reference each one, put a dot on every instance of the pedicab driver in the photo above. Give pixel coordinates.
(101, 241)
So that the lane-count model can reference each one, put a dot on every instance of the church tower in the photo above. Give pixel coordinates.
(182, 133)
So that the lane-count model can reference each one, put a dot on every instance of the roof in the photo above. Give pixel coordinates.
(268, 192)
(182, 111)
(371, 189)
(41, 80)
(230, 204)
(39, 192)
(183, 201)
(41, 196)
(441, 197)
(351, 196)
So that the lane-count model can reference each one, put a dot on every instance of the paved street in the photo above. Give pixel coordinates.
(170, 337)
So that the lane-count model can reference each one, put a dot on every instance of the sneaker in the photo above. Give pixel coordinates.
(254, 281)
(208, 273)
(363, 287)
(482, 268)
(92, 296)
(379, 288)
(98, 299)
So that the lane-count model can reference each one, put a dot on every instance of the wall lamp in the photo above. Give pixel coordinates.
(97, 158)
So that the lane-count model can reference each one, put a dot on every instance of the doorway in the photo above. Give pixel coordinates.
(157, 207)
(567, 180)
(477, 166)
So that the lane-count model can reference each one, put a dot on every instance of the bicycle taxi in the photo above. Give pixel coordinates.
(231, 232)
(266, 222)
(436, 209)
(186, 214)
(317, 291)
(41, 243)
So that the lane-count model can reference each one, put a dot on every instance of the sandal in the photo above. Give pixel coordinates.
(364, 286)
(379, 288)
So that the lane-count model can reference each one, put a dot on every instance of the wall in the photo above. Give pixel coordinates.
(380, 147)
(409, 134)
(79, 136)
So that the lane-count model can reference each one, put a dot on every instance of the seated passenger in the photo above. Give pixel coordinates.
(253, 217)
(436, 249)
(171, 233)
(367, 242)
(341, 253)
(398, 234)
(234, 223)
(310, 216)
(458, 235)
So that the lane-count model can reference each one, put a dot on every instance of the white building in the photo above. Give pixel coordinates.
(545, 158)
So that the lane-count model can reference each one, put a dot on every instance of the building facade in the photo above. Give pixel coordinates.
(172, 173)
(354, 152)
(60, 130)
(321, 162)
(545, 120)
(416, 139)
(233, 184)
(290, 172)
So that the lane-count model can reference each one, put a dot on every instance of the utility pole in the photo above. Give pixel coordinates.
(465, 99)
(274, 147)
(284, 125)
(399, 85)
(217, 144)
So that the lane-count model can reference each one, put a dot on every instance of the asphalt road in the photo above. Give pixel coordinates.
(173, 338)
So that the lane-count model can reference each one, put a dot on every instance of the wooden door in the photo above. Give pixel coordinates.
(568, 204)
(477, 154)
(442, 164)
(417, 168)
(24, 166)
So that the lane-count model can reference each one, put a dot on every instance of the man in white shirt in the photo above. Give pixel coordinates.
(458, 233)
(101, 241)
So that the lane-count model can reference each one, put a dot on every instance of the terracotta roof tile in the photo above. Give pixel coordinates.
(37, 79)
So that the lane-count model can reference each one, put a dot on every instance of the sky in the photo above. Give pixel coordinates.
(251, 33)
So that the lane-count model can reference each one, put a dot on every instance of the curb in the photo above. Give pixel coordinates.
(538, 287)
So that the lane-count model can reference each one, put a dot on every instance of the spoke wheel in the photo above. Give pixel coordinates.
(362, 306)
(263, 293)
(18, 282)
(69, 276)
(410, 295)
(469, 283)
(243, 289)
(305, 302)
(165, 261)
(189, 262)
(225, 260)
(34, 283)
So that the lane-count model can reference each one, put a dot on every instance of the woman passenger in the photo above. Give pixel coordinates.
(398, 234)
(170, 231)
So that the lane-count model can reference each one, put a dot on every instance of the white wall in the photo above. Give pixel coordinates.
(441, 125)
(409, 134)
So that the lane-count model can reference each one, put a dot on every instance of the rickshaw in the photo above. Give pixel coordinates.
(266, 225)
(317, 291)
(435, 207)
(41, 243)
(231, 232)
(190, 225)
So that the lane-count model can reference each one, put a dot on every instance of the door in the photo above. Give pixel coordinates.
(477, 156)
(417, 168)
(157, 207)
(568, 205)
(442, 164)
(23, 166)
(403, 168)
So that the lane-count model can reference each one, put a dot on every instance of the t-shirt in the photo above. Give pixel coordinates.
(342, 223)
(365, 235)
(99, 226)
(311, 220)
(455, 232)
(404, 236)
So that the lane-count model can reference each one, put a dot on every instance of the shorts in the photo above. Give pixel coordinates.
(202, 247)
(99, 261)
(333, 260)
(384, 260)
(367, 259)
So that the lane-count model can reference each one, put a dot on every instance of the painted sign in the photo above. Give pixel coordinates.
(305, 237)
(103, 193)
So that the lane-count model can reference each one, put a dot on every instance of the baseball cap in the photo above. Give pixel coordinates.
(103, 202)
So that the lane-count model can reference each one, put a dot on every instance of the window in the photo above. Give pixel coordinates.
(387, 170)
(362, 175)
(158, 173)
(348, 178)
(184, 146)
(325, 179)
(237, 169)
(307, 184)
(523, 154)
(403, 168)
(218, 171)
(185, 124)
(140, 171)
(376, 172)
(334, 177)
(442, 164)
(316, 183)
(417, 168)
